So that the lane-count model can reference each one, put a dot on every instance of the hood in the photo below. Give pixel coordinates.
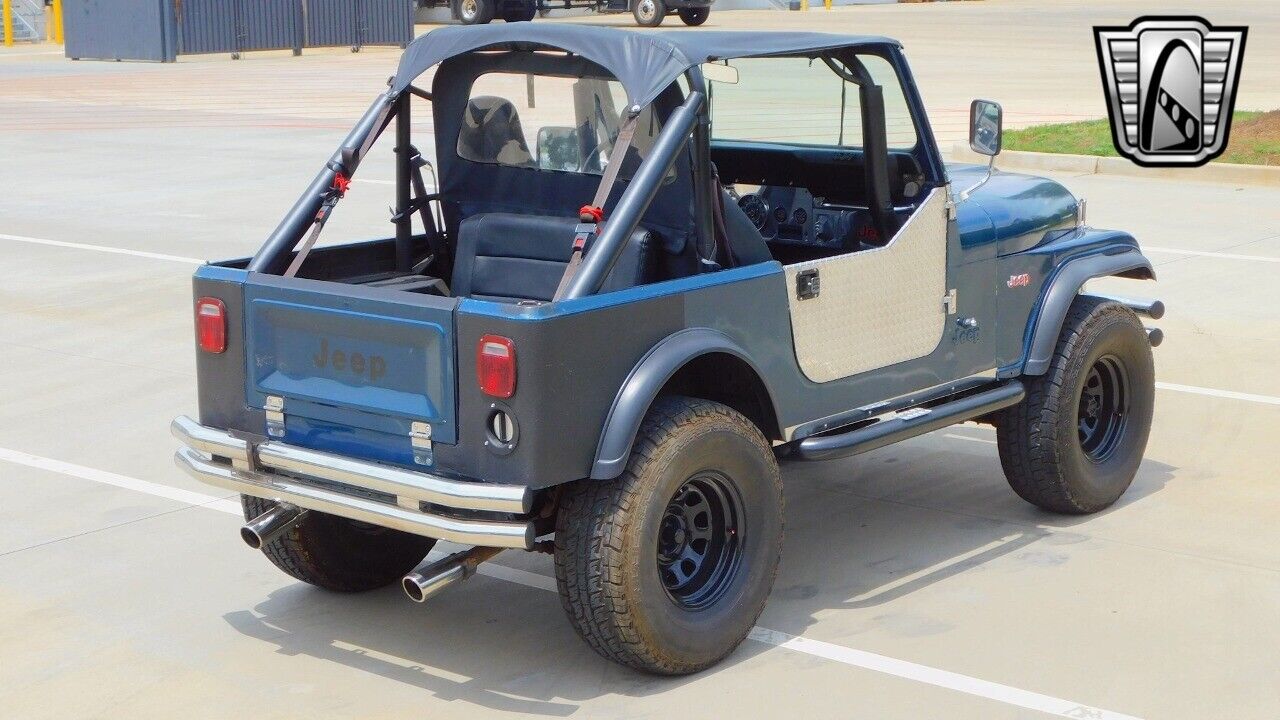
(1022, 208)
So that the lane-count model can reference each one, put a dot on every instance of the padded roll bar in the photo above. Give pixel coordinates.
(274, 255)
(635, 200)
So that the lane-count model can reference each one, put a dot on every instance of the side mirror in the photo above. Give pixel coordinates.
(559, 148)
(986, 131)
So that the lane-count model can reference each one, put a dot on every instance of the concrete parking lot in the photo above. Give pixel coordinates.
(914, 583)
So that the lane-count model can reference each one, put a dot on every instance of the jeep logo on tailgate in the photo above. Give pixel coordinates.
(375, 366)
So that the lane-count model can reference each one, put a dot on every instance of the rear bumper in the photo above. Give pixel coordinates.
(415, 502)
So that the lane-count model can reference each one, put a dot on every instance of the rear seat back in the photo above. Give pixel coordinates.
(508, 257)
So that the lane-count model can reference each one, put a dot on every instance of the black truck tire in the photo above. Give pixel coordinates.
(666, 567)
(694, 16)
(338, 554)
(474, 12)
(648, 13)
(1074, 445)
(527, 11)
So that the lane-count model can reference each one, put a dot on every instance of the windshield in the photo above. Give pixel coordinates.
(804, 102)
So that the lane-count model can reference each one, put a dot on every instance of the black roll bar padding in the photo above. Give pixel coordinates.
(635, 200)
(702, 175)
(273, 256)
(875, 153)
(404, 216)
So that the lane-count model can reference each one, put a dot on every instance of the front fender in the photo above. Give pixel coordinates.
(642, 387)
(1061, 291)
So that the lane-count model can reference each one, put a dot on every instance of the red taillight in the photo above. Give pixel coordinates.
(496, 366)
(211, 324)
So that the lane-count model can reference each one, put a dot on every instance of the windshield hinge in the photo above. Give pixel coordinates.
(275, 416)
(949, 302)
(420, 439)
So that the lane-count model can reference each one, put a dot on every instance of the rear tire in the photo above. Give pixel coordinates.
(666, 567)
(338, 554)
(649, 13)
(474, 12)
(694, 16)
(1074, 445)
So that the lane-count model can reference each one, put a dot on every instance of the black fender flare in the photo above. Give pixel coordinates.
(1061, 292)
(644, 383)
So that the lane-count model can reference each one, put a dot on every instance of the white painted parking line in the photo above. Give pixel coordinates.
(836, 653)
(1221, 255)
(187, 497)
(375, 182)
(1213, 392)
(101, 248)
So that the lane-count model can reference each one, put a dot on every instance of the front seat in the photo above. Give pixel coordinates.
(491, 133)
(507, 257)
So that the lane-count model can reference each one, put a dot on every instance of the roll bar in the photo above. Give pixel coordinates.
(274, 254)
(635, 200)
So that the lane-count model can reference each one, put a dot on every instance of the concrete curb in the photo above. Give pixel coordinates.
(1266, 175)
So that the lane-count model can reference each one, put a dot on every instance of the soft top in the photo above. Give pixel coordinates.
(644, 62)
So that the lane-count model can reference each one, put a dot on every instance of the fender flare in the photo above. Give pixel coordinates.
(644, 383)
(1062, 291)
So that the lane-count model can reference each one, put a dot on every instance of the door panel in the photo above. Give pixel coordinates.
(875, 307)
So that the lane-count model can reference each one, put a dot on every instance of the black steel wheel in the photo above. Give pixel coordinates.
(666, 567)
(1075, 443)
(699, 540)
(1103, 408)
(694, 16)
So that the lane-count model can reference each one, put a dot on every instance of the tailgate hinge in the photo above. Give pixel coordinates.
(275, 416)
(420, 439)
(949, 302)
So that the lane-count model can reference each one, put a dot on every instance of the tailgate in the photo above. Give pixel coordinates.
(355, 366)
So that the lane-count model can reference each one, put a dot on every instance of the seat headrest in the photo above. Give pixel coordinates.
(491, 133)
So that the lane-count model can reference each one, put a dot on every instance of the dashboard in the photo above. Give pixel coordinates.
(793, 216)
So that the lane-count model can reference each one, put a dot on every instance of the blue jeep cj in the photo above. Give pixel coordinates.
(654, 265)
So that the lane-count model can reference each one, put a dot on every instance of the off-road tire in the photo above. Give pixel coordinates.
(338, 554)
(608, 533)
(649, 13)
(479, 12)
(1042, 439)
(694, 16)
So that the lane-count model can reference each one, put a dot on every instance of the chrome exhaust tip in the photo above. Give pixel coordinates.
(271, 524)
(429, 579)
(1155, 336)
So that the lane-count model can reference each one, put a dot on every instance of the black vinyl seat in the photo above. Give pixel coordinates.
(508, 257)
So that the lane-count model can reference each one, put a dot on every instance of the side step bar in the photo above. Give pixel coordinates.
(906, 424)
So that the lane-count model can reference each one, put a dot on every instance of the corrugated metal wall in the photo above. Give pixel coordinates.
(119, 29)
(234, 26)
(162, 29)
(359, 22)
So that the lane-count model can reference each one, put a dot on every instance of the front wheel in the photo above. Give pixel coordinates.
(1074, 445)
(649, 13)
(694, 16)
(527, 11)
(474, 12)
(666, 567)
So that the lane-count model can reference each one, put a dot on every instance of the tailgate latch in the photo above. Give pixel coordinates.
(420, 439)
(275, 416)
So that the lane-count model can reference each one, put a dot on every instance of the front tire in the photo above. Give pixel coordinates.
(527, 12)
(666, 567)
(338, 554)
(1074, 445)
(649, 13)
(694, 16)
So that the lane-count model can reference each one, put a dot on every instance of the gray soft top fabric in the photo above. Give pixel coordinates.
(644, 62)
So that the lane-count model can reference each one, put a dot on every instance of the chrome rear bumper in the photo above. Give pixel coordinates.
(347, 484)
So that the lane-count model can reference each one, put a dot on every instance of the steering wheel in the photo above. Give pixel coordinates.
(595, 153)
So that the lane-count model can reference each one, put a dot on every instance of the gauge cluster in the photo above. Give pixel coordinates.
(793, 216)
